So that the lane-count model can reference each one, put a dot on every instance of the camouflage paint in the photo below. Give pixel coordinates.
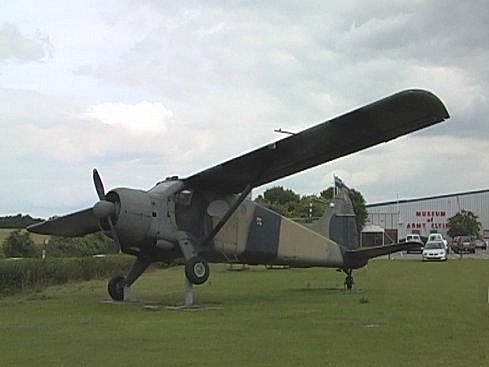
(257, 235)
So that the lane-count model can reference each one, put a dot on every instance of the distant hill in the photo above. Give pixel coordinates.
(18, 221)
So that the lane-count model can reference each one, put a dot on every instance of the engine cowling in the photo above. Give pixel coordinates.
(135, 214)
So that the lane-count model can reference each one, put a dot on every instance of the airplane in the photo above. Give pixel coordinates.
(208, 217)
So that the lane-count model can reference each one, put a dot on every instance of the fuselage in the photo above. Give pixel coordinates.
(152, 221)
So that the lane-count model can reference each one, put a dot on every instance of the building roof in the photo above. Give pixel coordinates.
(427, 198)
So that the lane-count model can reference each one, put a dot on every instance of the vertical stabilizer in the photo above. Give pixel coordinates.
(338, 222)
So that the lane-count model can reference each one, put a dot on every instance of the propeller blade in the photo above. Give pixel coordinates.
(115, 237)
(71, 225)
(99, 186)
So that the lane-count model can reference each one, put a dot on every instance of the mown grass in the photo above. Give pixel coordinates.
(403, 313)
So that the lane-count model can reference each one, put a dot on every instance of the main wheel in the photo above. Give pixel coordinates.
(116, 288)
(197, 270)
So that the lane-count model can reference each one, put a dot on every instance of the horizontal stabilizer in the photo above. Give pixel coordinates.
(71, 225)
(359, 257)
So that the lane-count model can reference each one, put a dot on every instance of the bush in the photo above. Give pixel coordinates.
(88, 245)
(20, 244)
(18, 275)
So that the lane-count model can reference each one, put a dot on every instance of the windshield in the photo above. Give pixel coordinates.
(434, 245)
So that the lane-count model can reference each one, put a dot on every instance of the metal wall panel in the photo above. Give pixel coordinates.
(429, 214)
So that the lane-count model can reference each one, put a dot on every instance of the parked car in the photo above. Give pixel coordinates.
(480, 244)
(437, 237)
(434, 250)
(414, 238)
(463, 244)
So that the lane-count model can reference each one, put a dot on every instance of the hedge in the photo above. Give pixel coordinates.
(18, 275)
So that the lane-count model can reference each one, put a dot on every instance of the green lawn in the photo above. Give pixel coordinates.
(403, 313)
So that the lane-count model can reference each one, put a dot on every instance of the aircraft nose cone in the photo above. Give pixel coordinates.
(103, 209)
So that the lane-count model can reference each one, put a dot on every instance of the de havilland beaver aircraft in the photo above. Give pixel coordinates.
(208, 217)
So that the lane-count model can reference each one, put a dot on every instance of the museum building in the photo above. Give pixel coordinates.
(426, 215)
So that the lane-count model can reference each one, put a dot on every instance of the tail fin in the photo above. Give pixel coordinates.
(339, 222)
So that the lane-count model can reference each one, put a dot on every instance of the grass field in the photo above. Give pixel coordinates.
(403, 313)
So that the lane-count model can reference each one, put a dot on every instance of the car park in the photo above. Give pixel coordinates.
(434, 250)
(463, 245)
(480, 244)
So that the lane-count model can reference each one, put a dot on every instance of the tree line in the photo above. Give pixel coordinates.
(19, 243)
(305, 208)
(302, 208)
(18, 221)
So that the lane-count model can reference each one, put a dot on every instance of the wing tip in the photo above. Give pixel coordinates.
(428, 100)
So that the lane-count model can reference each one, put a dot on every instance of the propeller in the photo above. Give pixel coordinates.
(104, 209)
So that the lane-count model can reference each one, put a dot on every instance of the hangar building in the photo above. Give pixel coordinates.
(427, 215)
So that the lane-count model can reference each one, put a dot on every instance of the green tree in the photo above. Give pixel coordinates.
(327, 194)
(359, 207)
(464, 223)
(314, 202)
(289, 204)
(283, 201)
(17, 221)
(280, 195)
(20, 244)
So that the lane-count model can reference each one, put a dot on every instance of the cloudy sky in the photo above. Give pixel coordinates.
(147, 89)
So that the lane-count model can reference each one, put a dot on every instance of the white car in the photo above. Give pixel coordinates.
(414, 238)
(437, 237)
(434, 250)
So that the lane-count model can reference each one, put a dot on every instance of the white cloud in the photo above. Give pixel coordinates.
(16, 46)
(148, 89)
(139, 118)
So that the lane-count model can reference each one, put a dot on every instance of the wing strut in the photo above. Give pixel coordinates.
(228, 214)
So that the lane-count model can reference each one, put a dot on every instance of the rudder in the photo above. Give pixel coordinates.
(339, 221)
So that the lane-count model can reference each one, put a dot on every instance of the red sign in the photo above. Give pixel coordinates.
(433, 219)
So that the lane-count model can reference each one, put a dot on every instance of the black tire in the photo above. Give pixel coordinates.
(115, 287)
(197, 270)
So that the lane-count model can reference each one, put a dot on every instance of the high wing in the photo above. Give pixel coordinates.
(380, 121)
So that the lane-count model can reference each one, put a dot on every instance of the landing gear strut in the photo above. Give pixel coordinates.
(196, 267)
(349, 279)
(118, 286)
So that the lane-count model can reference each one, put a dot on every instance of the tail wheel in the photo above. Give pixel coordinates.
(197, 270)
(349, 279)
(116, 288)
